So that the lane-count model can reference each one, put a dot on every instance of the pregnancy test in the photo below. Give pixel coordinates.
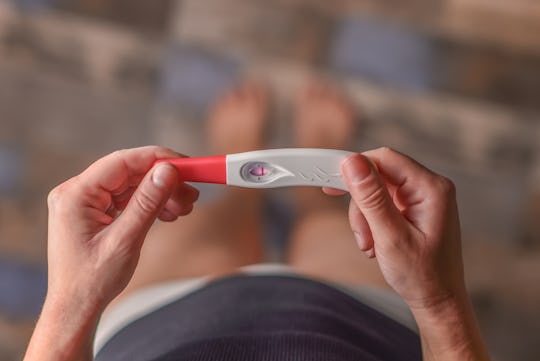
(266, 168)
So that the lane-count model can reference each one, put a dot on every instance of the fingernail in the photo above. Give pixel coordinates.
(356, 168)
(161, 174)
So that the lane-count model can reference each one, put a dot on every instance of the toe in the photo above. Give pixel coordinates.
(255, 92)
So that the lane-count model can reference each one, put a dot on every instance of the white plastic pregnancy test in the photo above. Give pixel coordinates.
(266, 168)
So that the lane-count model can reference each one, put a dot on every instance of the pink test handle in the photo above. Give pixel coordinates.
(211, 169)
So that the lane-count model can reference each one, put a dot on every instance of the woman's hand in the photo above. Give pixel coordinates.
(406, 216)
(98, 221)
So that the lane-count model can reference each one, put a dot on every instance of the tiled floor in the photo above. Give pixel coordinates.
(79, 81)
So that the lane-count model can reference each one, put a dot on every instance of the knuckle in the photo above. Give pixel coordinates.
(386, 150)
(119, 153)
(54, 197)
(57, 195)
(445, 186)
(441, 187)
(373, 199)
(145, 203)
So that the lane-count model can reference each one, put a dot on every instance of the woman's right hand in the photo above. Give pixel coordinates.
(406, 216)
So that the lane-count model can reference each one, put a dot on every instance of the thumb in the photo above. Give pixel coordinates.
(370, 194)
(146, 203)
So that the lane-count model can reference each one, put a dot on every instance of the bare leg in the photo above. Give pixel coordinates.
(215, 238)
(322, 244)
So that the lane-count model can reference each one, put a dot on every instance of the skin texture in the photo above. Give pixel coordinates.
(406, 216)
(97, 224)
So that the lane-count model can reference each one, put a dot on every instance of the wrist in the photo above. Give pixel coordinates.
(440, 299)
(449, 330)
(64, 330)
(71, 295)
(443, 309)
(74, 308)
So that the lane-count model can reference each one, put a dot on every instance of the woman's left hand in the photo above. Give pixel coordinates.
(98, 221)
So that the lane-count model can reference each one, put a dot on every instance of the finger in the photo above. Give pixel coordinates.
(396, 167)
(183, 196)
(178, 209)
(185, 193)
(145, 204)
(370, 253)
(418, 191)
(114, 171)
(183, 211)
(120, 201)
(371, 196)
(167, 216)
(360, 228)
(333, 191)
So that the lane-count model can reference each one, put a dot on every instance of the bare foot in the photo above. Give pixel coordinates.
(322, 244)
(324, 118)
(238, 120)
(190, 247)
